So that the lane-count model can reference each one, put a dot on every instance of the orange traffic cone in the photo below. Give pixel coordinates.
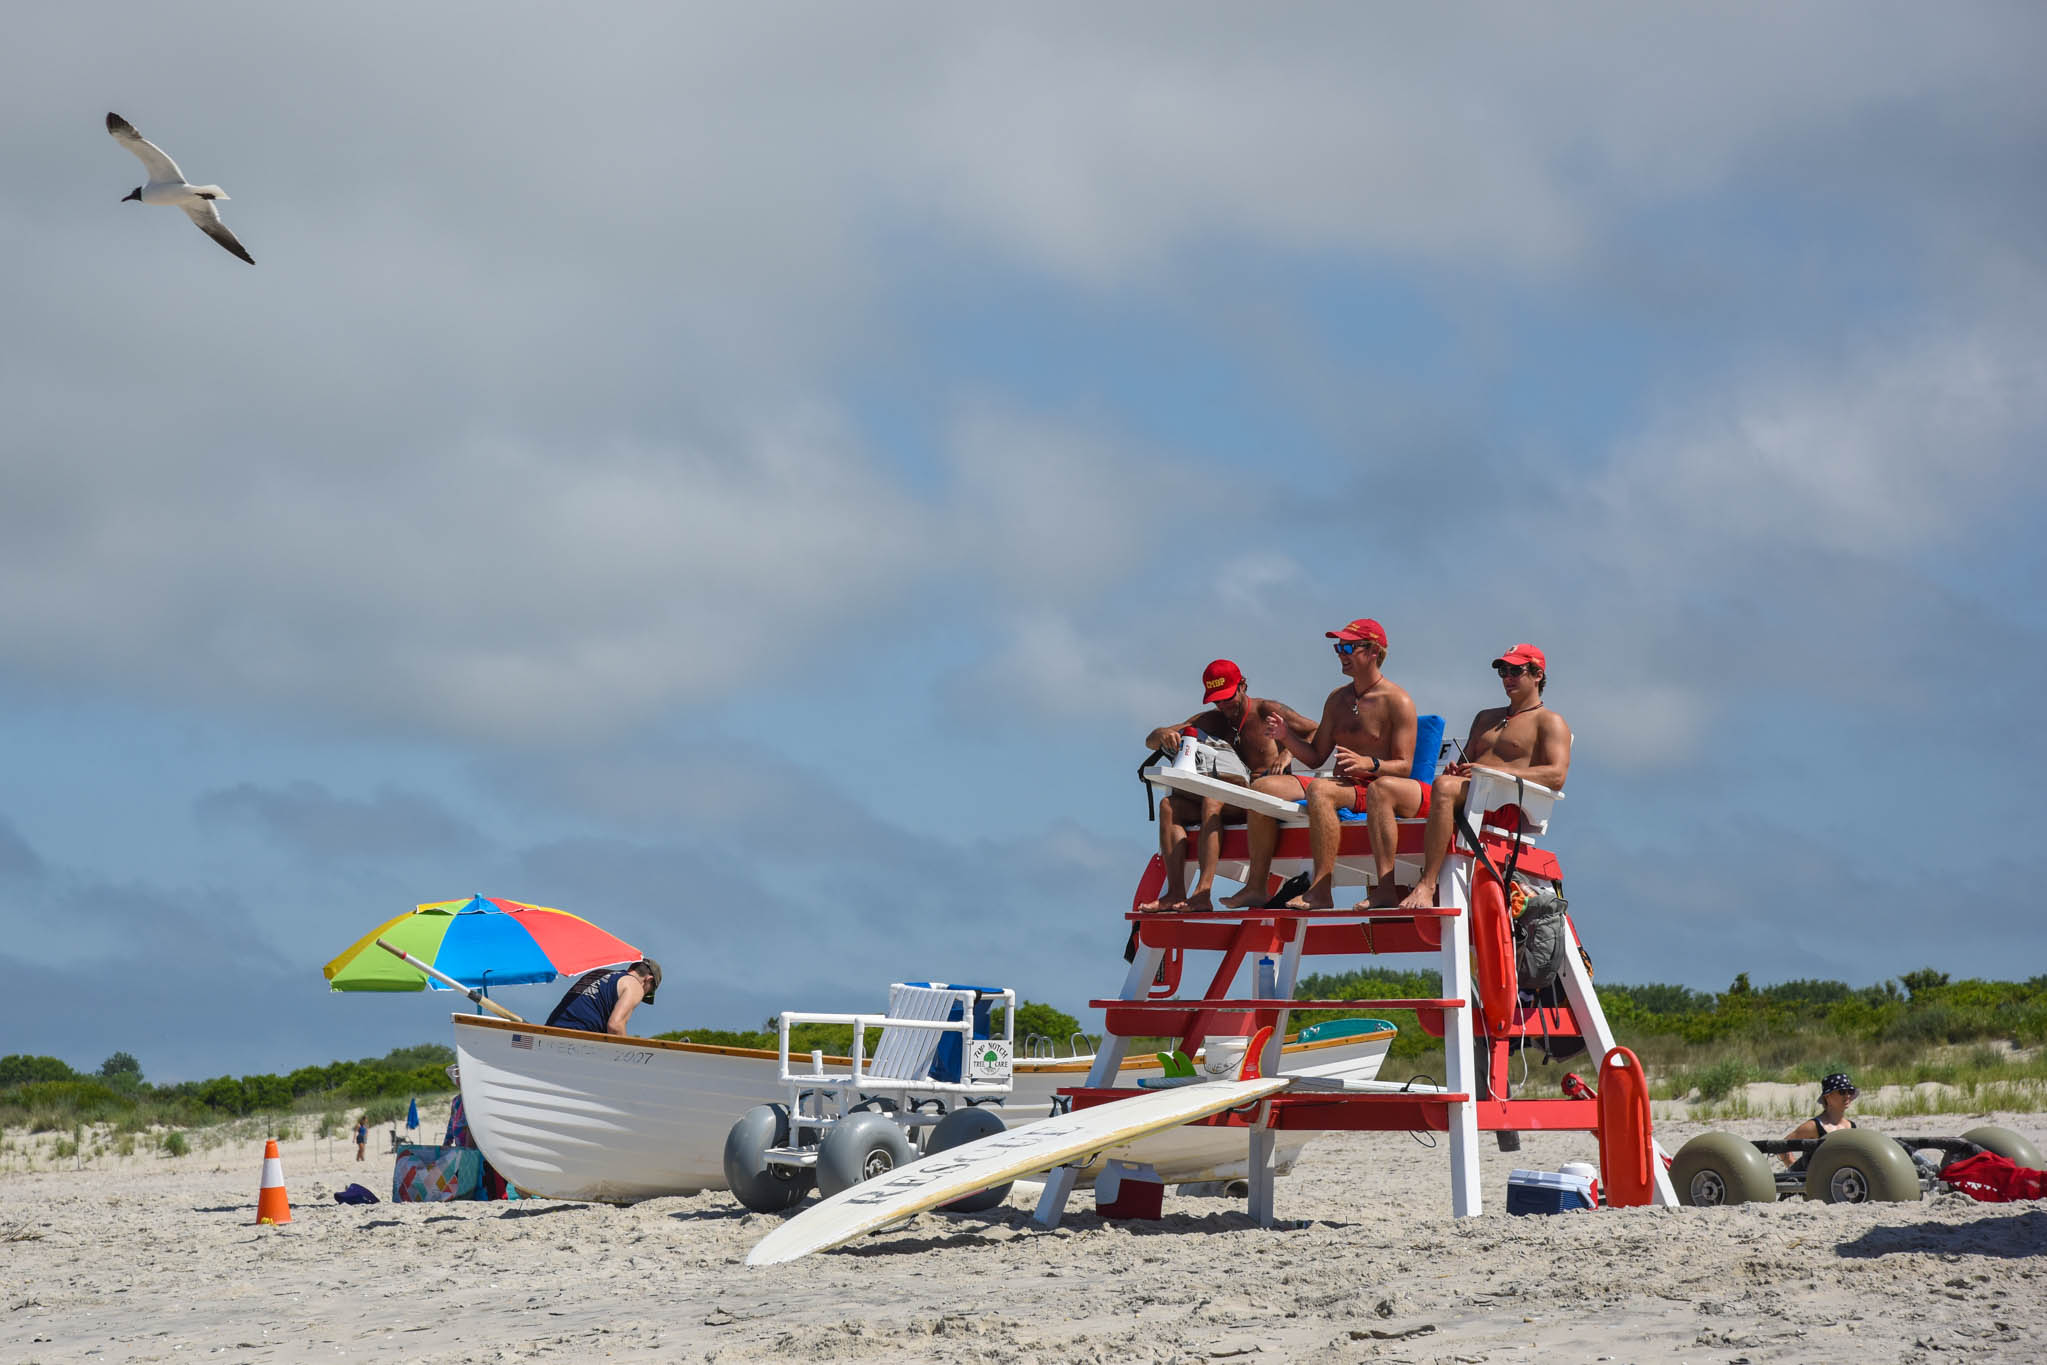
(273, 1205)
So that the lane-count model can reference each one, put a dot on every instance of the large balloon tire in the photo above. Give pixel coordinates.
(860, 1148)
(1715, 1169)
(969, 1124)
(762, 1187)
(2013, 1147)
(1860, 1166)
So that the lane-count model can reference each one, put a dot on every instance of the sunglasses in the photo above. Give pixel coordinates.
(1349, 647)
(1513, 670)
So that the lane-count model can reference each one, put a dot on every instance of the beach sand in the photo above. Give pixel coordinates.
(157, 1259)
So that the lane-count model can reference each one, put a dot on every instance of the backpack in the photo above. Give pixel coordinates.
(1539, 940)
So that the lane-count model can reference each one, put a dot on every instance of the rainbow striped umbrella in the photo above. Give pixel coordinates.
(479, 942)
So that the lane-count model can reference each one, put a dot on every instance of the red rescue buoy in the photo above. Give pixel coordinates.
(1492, 944)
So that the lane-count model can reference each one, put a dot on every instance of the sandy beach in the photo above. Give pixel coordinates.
(157, 1259)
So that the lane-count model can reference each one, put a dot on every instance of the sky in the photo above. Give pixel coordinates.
(752, 475)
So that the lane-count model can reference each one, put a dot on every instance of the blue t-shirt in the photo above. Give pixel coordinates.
(589, 1003)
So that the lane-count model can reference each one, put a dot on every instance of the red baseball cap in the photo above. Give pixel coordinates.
(1222, 679)
(1364, 628)
(1524, 654)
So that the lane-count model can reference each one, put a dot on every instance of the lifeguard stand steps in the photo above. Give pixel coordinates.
(1479, 1016)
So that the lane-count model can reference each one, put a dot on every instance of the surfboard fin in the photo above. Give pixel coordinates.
(1253, 1052)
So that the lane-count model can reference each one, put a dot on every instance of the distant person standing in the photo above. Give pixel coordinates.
(362, 1135)
(602, 1001)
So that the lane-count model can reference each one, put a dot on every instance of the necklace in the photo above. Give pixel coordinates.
(1511, 714)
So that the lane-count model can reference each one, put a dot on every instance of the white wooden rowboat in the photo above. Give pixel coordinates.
(573, 1115)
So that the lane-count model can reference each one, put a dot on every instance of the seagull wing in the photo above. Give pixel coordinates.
(206, 218)
(162, 170)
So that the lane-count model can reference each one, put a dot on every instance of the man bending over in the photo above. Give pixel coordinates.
(1369, 725)
(1239, 720)
(1523, 737)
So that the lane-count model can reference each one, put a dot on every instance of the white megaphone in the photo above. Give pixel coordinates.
(1189, 747)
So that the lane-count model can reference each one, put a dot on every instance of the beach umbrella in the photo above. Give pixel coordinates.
(470, 945)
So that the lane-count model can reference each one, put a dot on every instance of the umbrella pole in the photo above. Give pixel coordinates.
(478, 996)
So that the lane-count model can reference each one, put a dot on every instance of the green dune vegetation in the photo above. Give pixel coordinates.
(1949, 1046)
(115, 1111)
(1941, 1045)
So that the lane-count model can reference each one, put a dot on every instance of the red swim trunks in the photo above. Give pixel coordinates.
(1357, 795)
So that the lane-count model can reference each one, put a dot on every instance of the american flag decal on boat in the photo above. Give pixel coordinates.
(522, 1041)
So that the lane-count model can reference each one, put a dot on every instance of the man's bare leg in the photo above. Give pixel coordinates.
(1393, 798)
(1325, 798)
(1443, 803)
(1208, 851)
(1172, 854)
(1261, 833)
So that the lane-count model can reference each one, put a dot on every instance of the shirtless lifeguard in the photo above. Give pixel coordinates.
(1524, 737)
(1369, 725)
(1239, 720)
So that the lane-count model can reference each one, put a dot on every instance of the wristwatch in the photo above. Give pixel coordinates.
(1375, 763)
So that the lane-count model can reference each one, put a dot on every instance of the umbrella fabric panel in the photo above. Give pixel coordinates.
(491, 949)
(574, 944)
(366, 967)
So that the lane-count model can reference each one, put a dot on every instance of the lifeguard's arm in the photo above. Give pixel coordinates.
(1404, 724)
(1313, 748)
(630, 993)
(1166, 737)
(1550, 764)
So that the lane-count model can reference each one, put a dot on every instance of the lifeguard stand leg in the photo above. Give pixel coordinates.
(1599, 1039)
(1059, 1182)
(1264, 1143)
(1453, 888)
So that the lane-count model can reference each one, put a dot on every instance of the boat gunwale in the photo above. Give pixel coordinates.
(1141, 1062)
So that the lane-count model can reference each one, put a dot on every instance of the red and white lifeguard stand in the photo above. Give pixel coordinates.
(1479, 1015)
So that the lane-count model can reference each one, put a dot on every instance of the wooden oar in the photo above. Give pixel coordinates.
(476, 995)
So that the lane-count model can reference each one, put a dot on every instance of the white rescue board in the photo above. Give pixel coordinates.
(1229, 793)
(933, 1180)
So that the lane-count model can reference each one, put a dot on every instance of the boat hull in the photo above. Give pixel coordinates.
(573, 1115)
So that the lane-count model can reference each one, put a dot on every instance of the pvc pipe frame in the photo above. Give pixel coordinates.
(476, 996)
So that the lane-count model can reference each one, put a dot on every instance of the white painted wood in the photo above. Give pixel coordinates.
(1599, 1039)
(1453, 888)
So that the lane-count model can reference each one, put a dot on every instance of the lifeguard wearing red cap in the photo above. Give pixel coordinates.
(1221, 679)
(1523, 654)
(1364, 628)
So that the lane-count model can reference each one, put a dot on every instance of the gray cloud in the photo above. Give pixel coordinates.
(306, 818)
(19, 862)
(528, 451)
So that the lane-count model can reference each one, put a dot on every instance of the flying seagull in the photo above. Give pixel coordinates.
(167, 186)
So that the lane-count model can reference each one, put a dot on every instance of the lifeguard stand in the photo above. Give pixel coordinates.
(1479, 1016)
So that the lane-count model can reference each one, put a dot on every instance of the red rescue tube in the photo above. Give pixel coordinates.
(1627, 1147)
(1492, 944)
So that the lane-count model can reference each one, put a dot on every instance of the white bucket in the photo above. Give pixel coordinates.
(1223, 1057)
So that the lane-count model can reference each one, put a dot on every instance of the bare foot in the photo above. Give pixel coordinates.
(1247, 899)
(1383, 894)
(1198, 903)
(1421, 898)
(1311, 902)
(1151, 907)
